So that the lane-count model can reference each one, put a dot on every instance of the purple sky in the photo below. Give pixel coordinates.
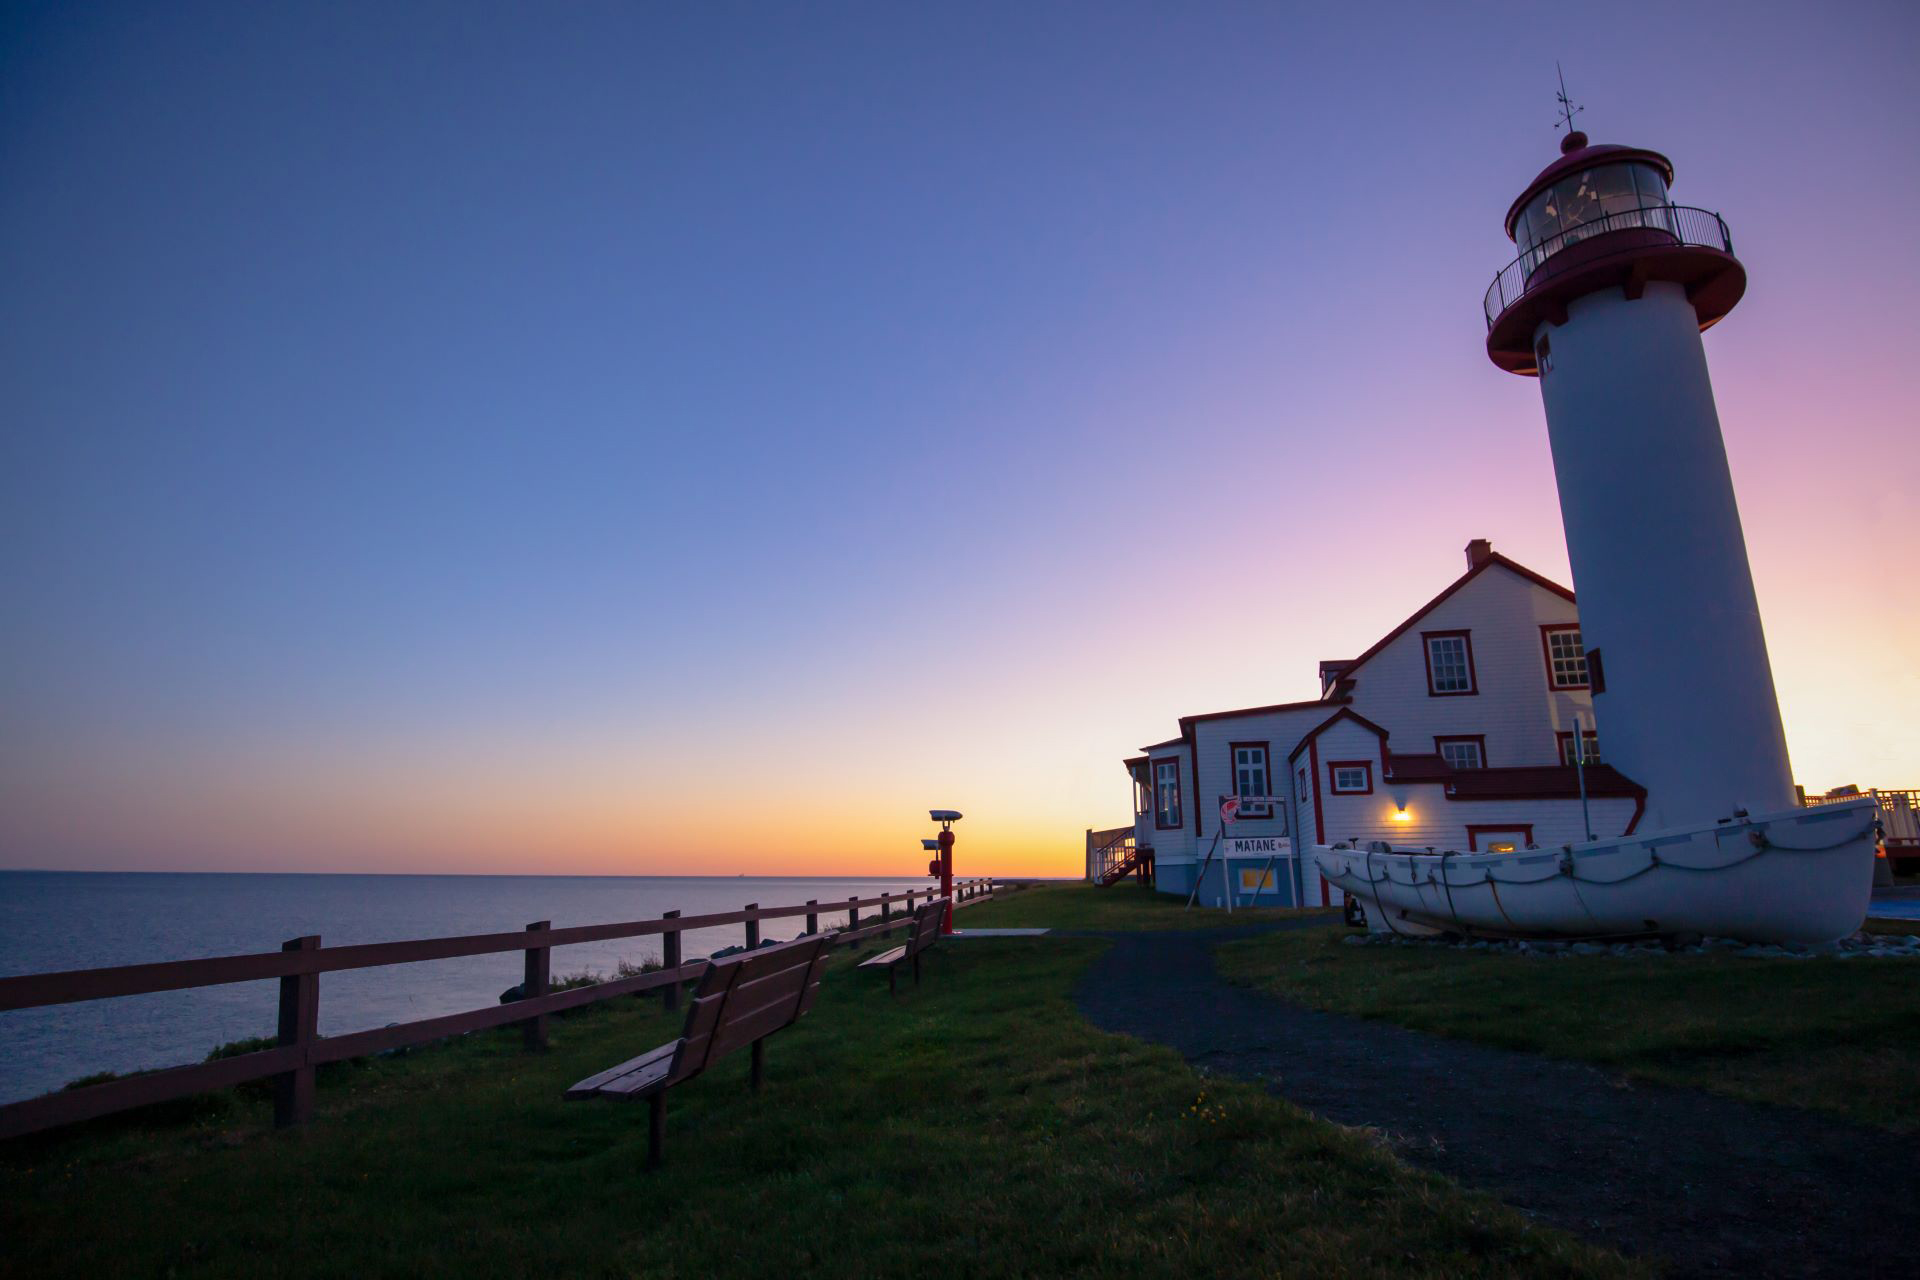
(646, 437)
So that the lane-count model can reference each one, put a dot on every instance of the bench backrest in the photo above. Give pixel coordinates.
(926, 926)
(744, 997)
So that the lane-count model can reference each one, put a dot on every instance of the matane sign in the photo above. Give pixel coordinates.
(1258, 847)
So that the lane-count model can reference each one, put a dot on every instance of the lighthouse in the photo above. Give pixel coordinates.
(1605, 305)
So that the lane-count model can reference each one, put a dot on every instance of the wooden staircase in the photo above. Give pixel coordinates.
(1112, 856)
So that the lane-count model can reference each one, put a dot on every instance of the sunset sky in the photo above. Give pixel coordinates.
(699, 438)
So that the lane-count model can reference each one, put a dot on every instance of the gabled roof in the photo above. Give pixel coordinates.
(1335, 690)
(1170, 742)
(1186, 721)
(1345, 713)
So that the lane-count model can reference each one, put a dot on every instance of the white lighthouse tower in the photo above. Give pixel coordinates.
(1605, 305)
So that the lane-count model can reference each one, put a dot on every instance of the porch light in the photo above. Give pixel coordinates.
(1401, 815)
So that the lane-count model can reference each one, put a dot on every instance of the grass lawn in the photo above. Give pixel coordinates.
(1127, 905)
(1841, 1036)
(975, 1125)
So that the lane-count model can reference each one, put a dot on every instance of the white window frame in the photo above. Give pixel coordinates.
(1168, 813)
(1241, 778)
(1468, 683)
(1551, 634)
(1366, 779)
(1473, 744)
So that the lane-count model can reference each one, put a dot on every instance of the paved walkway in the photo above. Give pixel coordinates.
(1716, 1187)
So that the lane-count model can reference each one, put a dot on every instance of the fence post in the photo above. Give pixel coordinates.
(753, 928)
(670, 957)
(853, 913)
(813, 917)
(299, 1024)
(886, 911)
(533, 985)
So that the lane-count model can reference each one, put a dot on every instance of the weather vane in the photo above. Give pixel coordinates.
(1567, 110)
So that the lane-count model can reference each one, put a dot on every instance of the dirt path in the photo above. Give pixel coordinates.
(1712, 1185)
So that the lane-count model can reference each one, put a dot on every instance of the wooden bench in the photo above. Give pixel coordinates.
(925, 932)
(739, 1001)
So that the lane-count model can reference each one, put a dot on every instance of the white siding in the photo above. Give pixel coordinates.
(1213, 739)
(1174, 845)
(1514, 706)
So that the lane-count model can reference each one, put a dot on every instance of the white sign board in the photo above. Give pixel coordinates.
(1258, 847)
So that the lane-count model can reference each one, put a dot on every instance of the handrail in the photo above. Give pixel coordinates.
(1687, 225)
(301, 1049)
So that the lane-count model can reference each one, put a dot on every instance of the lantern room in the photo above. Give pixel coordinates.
(1602, 217)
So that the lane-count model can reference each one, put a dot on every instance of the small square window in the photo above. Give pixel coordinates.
(1592, 740)
(1351, 777)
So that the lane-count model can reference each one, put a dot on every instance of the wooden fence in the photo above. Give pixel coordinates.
(293, 1062)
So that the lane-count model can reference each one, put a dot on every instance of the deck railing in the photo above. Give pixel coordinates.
(1106, 849)
(298, 964)
(1686, 225)
(1899, 814)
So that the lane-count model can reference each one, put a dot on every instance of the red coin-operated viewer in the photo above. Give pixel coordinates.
(942, 866)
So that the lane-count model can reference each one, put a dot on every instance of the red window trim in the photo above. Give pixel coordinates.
(1333, 773)
(1426, 655)
(1563, 737)
(1159, 810)
(1476, 830)
(1479, 738)
(1546, 652)
(1233, 776)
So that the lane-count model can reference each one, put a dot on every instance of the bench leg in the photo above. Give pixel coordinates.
(656, 1127)
(916, 970)
(759, 1062)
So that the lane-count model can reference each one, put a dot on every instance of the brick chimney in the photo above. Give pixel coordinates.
(1479, 551)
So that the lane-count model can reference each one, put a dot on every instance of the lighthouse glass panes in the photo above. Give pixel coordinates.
(1250, 777)
(1566, 658)
(1166, 794)
(1449, 663)
(1607, 197)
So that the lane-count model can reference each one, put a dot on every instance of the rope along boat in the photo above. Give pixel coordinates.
(1803, 875)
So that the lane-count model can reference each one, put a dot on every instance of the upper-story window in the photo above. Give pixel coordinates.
(1166, 794)
(1462, 750)
(1142, 790)
(1351, 777)
(1449, 662)
(1592, 739)
(1566, 656)
(1250, 778)
(1300, 787)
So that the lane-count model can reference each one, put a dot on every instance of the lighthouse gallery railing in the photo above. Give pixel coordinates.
(1686, 225)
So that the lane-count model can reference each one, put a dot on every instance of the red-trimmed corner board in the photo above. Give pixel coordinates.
(1547, 631)
(1333, 777)
(1426, 653)
(1524, 830)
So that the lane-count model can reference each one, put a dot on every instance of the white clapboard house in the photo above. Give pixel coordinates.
(1454, 731)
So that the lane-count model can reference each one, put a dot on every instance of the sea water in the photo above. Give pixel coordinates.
(84, 920)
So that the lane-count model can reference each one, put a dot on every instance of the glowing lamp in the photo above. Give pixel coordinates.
(1401, 815)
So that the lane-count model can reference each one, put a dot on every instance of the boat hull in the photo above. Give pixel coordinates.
(1801, 876)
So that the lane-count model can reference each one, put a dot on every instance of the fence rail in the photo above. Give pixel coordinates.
(300, 962)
